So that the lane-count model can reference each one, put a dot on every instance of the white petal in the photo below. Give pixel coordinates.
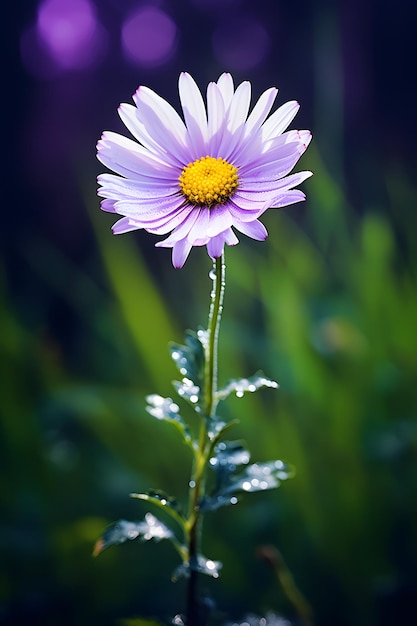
(216, 118)
(261, 110)
(239, 107)
(236, 118)
(194, 113)
(279, 120)
(225, 84)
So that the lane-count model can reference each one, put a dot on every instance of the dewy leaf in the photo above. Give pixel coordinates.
(231, 478)
(242, 385)
(121, 531)
(167, 503)
(189, 359)
(229, 454)
(189, 391)
(165, 409)
(200, 564)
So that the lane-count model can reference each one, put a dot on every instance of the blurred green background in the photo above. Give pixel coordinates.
(327, 306)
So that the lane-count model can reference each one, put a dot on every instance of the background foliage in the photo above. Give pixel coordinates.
(327, 306)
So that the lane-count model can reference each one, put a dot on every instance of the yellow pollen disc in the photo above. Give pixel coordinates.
(208, 181)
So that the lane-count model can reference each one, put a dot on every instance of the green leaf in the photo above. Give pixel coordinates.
(190, 358)
(189, 391)
(201, 564)
(167, 410)
(164, 502)
(231, 479)
(121, 531)
(242, 385)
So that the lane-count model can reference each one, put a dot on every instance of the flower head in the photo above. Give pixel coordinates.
(220, 169)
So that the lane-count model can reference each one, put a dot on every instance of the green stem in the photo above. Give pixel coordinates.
(197, 483)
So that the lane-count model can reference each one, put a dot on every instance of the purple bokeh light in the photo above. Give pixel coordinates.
(241, 43)
(67, 36)
(149, 37)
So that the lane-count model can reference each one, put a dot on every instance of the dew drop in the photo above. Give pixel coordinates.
(246, 485)
(212, 274)
(191, 484)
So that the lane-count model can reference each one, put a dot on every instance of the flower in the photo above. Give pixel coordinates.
(220, 169)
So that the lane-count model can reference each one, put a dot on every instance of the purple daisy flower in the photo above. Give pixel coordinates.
(199, 180)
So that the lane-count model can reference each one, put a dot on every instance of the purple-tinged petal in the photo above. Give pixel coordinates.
(162, 122)
(215, 245)
(245, 213)
(255, 184)
(266, 169)
(166, 223)
(108, 206)
(154, 206)
(182, 230)
(199, 229)
(254, 229)
(180, 252)
(129, 116)
(125, 225)
(220, 220)
(129, 159)
(123, 188)
(289, 197)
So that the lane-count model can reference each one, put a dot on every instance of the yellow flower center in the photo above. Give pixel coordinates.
(208, 181)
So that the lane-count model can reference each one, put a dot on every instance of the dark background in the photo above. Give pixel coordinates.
(327, 306)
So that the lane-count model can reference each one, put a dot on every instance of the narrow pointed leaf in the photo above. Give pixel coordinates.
(121, 531)
(164, 502)
(243, 385)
